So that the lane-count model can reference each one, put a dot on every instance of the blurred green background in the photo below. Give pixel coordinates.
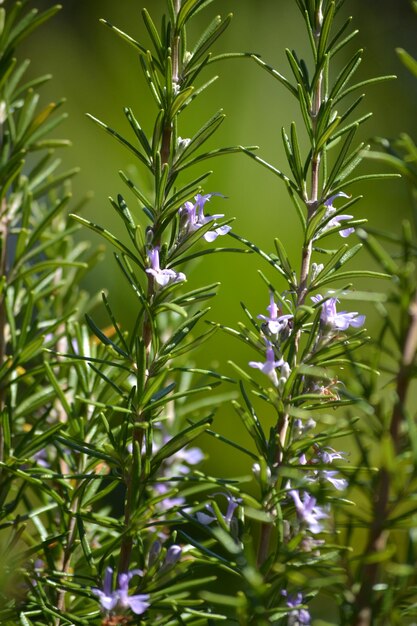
(98, 73)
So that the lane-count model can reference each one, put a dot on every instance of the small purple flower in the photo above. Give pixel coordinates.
(276, 323)
(191, 456)
(169, 502)
(207, 518)
(165, 276)
(307, 511)
(172, 557)
(330, 475)
(335, 221)
(328, 455)
(270, 365)
(41, 458)
(298, 616)
(322, 474)
(109, 599)
(194, 217)
(340, 321)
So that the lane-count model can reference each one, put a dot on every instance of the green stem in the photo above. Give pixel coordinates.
(379, 534)
(282, 428)
(147, 327)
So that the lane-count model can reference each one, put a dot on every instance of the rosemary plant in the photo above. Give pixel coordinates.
(106, 517)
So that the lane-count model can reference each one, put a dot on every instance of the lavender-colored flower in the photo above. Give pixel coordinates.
(207, 518)
(119, 598)
(191, 456)
(169, 502)
(340, 321)
(335, 221)
(322, 474)
(162, 276)
(270, 365)
(298, 616)
(41, 458)
(300, 428)
(308, 512)
(328, 455)
(330, 475)
(172, 557)
(276, 323)
(194, 217)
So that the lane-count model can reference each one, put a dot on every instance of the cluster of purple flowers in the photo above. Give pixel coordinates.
(119, 598)
(298, 616)
(192, 219)
(277, 327)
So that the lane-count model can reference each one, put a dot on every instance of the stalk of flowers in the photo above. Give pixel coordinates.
(175, 228)
(305, 337)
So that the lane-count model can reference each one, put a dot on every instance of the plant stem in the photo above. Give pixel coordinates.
(147, 328)
(379, 533)
(284, 420)
(4, 236)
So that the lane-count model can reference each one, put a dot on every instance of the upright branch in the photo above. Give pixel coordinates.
(173, 222)
(304, 337)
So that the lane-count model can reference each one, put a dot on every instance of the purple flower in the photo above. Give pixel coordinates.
(270, 365)
(335, 221)
(194, 217)
(41, 458)
(276, 323)
(169, 502)
(298, 616)
(119, 597)
(165, 276)
(207, 518)
(172, 557)
(307, 511)
(330, 475)
(340, 321)
(328, 455)
(191, 456)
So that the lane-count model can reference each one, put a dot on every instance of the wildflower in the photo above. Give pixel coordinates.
(301, 428)
(41, 458)
(307, 511)
(170, 501)
(330, 475)
(191, 456)
(298, 616)
(207, 518)
(172, 557)
(276, 323)
(194, 217)
(335, 221)
(270, 365)
(327, 455)
(183, 143)
(119, 598)
(165, 276)
(340, 321)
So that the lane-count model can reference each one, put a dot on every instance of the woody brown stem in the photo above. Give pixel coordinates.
(379, 533)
